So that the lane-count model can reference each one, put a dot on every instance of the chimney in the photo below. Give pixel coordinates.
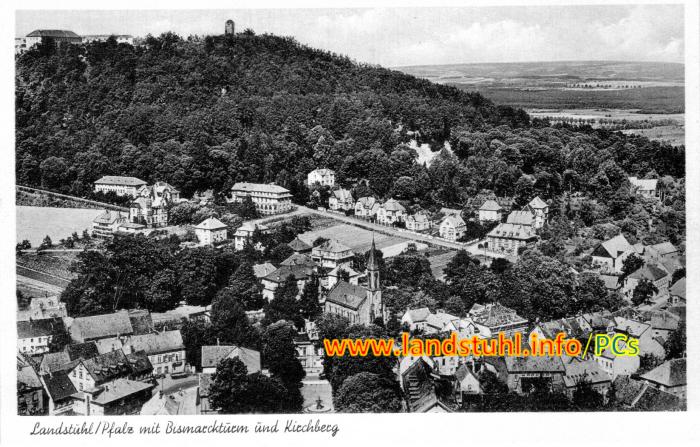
(217, 341)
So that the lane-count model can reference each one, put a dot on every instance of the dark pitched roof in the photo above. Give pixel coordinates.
(347, 295)
(157, 342)
(141, 321)
(56, 33)
(299, 272)
(138, 360)
(299, 245)
(641, 396)
(212, 355)
(39, 328)
(54, 361)
(58, 385)
(85, 350)
(678, 288)
(102, 326)
(651, 272)
(670, 373)
(534, 364)
(108, 366)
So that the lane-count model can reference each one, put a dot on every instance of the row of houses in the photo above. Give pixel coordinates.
(23, 44)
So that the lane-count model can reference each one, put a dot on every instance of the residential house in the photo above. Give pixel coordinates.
(341, 200)
(522, 217)
(416, 319)
(648, 342)
(262, 270)
(332, 254)
(391, 212)
(418, 384)
(150, 207)
(573, 327)
(34, 336)
(59, 391)
(309, 354)
(116, 398)
(523, 374)
(57, 35)
(177, 403)
(41, 308)
(366, 207)
(89, 373)
(299, 246)
(182, 313)
(340, 274)
(418, 222)
(467, 382)
(322, 177)
(585, 370)
(490, 211)
(268, 198)
(452, 227)
(670, 377)
(244, 234)
(119, 38)
(211, 231)
(663, 323)
(677, 293)
(492, 318)
(430, 323)
(507, 238)
(660, 252)
(302, 273)
(165, 350)
(107, 223)
(97, 327)
(615, 365)
(121, 186)
(540, 211)
(610, 255)
(651, 272)
(30, 390)
(639, 395)
(212, 355)
(644, 187)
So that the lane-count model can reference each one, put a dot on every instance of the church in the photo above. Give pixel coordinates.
(360, 305)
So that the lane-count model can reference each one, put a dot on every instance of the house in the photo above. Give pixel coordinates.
(366, 207)
(119, 38)
(211, 231)
(416, 319)
(30, 389)
(612, 282)
(615, 365)
(97, 327)
(663, 323)
(89, 373)
(300, 272)
(650, 272)
(341, 199)
(41, 308)
(644, 187)
(332, 254)
(299, 246)
(121, 186)
(417, 381)
(119, 397)
(490, 211)
(639, 395)
(267, 198)
(361, 305)
(321, 176)
(107, 223)
(262, 270)
(452, 227)
(670, 377)
(212, 355)
(340, 273)
(523, 374)
(660, 252)
(522, 217)
(34, 336)
(418, 222)
(182, 313)
(677, 293)
(610, 255)
(165, 350)
(58, 36)
(492, 318)
(540, 211)
(177, 403)
(59, 390)
(586, 370)
(573, 327)
(54, 361)
(150, 207)
(244, 234)
(309, 354)
(391, 212)
(648, 342)
(507, 238)
(467, 382)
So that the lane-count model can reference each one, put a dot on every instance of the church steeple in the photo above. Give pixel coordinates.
(372, 268)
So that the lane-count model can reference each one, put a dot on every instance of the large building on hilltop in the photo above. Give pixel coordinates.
(268, 198)
(58, 35)
(120, 185)
(360, 305)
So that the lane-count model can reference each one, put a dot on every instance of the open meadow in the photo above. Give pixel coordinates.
(34, 223)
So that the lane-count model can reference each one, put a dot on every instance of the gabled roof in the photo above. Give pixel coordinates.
(53, 33)
(102, 326)
(58, 385)
(578, 370)
(631, 327)
(116, 390)
(665, 320)
(454, 220)
(139, 362)
(211, 224)
(418, 217)
(670, 374)
(108, 366)
(347, 295)
(39, 328)
(367, 202)
(612, 248)
(259, 187)
(55, 361)
(639, 395)
(522, 217)
(262, 270)
(537, 203)
(109, 217)
(512, 231)
(158, 342)
(141, 321)
(333, 246)
(418, 315)
(212, 355)
(664, 248)
(463, 372)
(342, 194)
(26, 374)
(611, 282)
(323, 171)
(643, 184)
(300, 272)
(494, 315)
(298, 245)
(119, 180)
(678, 288)
(534, 364)
(393, 206)
(652, 272)
(490, 205)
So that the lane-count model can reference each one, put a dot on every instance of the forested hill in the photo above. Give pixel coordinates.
(205, 113)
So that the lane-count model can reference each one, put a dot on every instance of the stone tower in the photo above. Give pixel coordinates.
(374, 289)
(230, 28)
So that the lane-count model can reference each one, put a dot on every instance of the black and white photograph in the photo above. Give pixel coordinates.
(300, 212)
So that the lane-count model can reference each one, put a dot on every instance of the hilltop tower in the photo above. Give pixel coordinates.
(230, 28)
(374, 289)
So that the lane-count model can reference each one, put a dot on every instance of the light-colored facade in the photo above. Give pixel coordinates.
(121, 186)
(120, 38)
(43, 307)
(59, 36)
(341, 199)
(644, 187)
(268, 199)
(332, 254)
(452, 227)
(106, 224)
(418, 222)
(165, 350)
(507, 238)
(211, 231)
(610, 255)
(490, 211)
(366, 207)
(391, 212)
(244, 233)
(323, 177)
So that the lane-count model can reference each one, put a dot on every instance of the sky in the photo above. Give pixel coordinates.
(397, 37)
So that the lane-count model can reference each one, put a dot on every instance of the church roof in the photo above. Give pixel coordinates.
(347, 295)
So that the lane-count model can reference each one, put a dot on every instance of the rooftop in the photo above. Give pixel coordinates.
(119, 180)
(513, 231)
(490, 205)
(211, 224)
(158, 342)
(259, 187)
(347, 295)
(521, 217)
(671, 373)
(60, 33)
(212, 355)
(612, 248)
(102, 326)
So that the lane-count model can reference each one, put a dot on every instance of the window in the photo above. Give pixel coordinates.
(80, 385)
(80, 374)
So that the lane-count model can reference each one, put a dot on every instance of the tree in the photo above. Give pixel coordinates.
(675, 345)
(24, 245)
(368, 393)
(46, 243)
(585, 398)
(309, 305)
(285, 306)
(229, 322)
(631, 264)
(59, 340)
(233, 391)
(196, 334)
(644, 292)
(279, 253)
(407, 269)
(280, 355)
(593, 296)
(500, 265)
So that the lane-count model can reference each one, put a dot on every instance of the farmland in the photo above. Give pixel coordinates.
(36, 222)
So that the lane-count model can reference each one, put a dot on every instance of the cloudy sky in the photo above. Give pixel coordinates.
(419, 36)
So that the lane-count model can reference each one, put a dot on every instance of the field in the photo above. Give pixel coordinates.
(358, 239)
(34, 223)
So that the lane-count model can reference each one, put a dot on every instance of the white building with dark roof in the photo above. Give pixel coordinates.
(418, 222)
(120, 185)
(490, 211)
(610, 255)
(540, 211)
(452, 227)
(321, 176)
(101, 326)
(268, 198)
(366, 207)
(332, 254)
(213, 354)
(165, 350)
(58, 36)
(391, 212)
(507, 238)
(106, 224)
(341, 199)
(211, 231)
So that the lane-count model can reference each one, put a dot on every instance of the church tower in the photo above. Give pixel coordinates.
(374, 290)
(230, 28)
